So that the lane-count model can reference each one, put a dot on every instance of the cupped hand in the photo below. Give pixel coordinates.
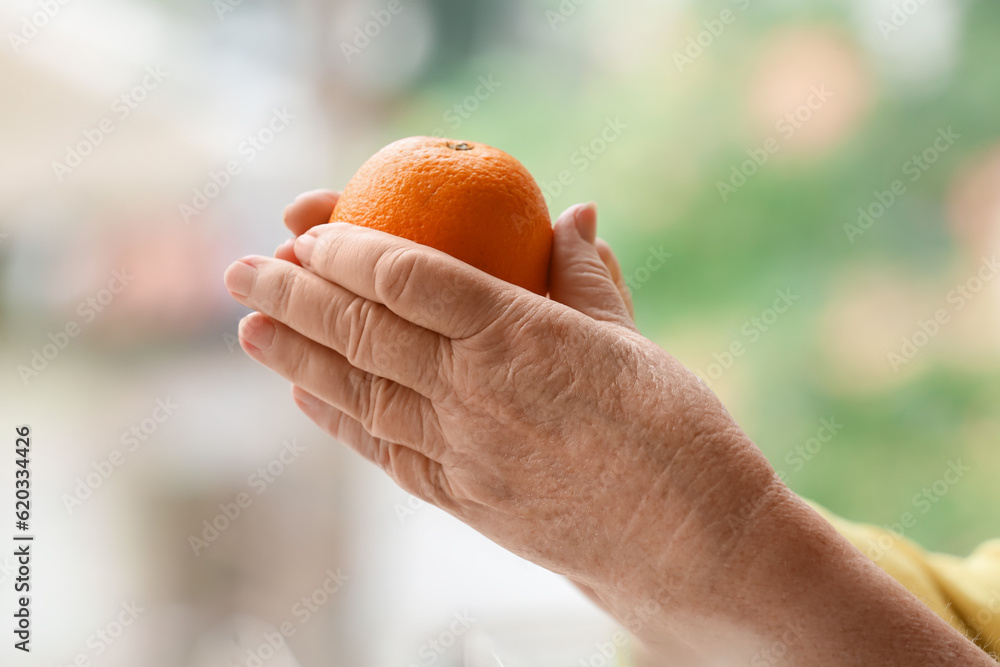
(550, 425)
(554, 428)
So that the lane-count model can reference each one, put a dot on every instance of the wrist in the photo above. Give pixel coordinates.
(797, 589)
(751, 572)
(684, 557)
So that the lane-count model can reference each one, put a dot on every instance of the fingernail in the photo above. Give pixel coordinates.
(585, 218)
(240, 278)
(257, 331)
(304, 246)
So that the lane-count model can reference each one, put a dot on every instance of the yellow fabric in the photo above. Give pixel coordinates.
(963, 591)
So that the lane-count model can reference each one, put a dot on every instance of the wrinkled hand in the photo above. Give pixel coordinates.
(549, 425)
(554, 428)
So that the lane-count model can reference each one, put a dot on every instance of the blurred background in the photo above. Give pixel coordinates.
(805, 198)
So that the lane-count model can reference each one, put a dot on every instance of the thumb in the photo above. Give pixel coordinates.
(578, 277)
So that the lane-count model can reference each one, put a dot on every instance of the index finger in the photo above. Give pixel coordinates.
(420, 284)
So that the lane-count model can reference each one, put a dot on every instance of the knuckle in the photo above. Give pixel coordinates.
(363, 400)
(336, 425)
(436, 373)
(393, 273)
(299, 362)
(357, 381)
(349, 321)
(324, 253)
(381, 456)
(332, 316)
(385, 455)
(427, 483)
(356, 325)
(282, 292)
(369, 398)
(438, 488)
(376, 404)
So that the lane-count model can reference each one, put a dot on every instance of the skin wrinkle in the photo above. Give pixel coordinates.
(392, 394)
(429, 474)
(510, 318)
(677, 532)
(711, 516)
(445, 491)
(394, 273)
(379, 397)
(638, 518)
(444, 365)
(433, 371)
(350, 326)
(331, 315)
(303, 361)
(383, 455)
(821, 545)
(366, 316)
(284, 287)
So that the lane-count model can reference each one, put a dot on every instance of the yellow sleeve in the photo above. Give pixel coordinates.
(963, 591)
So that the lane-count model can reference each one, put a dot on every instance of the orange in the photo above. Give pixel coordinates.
(474, 202)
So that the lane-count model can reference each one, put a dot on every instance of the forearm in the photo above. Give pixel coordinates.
(825, 603)
(797, 593)
(779, 584)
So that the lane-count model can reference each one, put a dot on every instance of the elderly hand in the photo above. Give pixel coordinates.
(549, 425)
